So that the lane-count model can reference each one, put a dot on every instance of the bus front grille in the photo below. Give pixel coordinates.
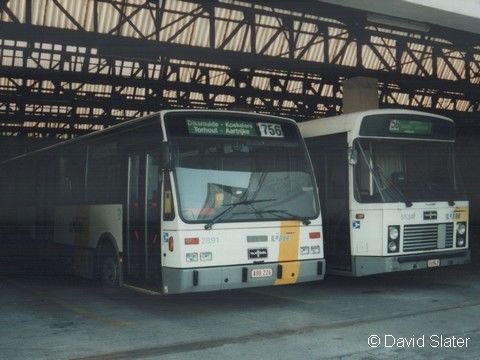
(427, 237)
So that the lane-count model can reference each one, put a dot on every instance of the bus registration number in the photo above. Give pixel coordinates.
(261, 273)
(433, 263)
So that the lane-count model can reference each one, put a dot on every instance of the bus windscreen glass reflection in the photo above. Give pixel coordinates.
(397, 171)
(261, 179)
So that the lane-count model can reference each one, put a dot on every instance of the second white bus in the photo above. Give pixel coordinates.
(389, 191)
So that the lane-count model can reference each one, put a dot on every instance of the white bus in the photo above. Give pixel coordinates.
(390, 195)
(179, 201)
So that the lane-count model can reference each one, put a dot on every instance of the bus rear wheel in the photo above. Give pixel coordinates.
(108, 269)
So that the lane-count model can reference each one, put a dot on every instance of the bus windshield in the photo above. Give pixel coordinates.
(255, 179)
(406, 171)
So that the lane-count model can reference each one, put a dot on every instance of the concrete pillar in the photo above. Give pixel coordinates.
(359, 94)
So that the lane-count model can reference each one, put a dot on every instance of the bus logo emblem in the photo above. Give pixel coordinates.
(429, 215)
(257, 253)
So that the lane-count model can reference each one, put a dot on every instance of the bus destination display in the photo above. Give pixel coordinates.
(232, 128)
(410, 127)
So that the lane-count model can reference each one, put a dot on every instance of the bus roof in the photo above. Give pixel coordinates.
(350, 122)
(133, 123)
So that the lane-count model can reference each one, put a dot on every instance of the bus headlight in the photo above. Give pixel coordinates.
(206, 256)
(304, 250)
(392, 246)
(461, 234)
(393, 232)
(393, 238)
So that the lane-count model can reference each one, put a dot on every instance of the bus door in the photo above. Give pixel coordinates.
(329, 158)
(143, 219)
(337, 208)
(153, 186)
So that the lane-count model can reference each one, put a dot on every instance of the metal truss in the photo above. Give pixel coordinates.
(70, 67)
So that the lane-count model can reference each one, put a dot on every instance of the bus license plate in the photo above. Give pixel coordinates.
(433, 263)
(261, 273)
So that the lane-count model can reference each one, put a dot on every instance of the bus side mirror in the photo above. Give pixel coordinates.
(165, 160)
(352, 156)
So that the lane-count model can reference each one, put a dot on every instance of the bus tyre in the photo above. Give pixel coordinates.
(108, 270)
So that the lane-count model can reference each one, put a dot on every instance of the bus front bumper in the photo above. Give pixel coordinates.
(177, 280)
(369, 265)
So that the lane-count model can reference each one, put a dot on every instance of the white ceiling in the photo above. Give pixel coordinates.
(455, 14)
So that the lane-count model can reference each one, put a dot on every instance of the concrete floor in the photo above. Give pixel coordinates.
(63, 318)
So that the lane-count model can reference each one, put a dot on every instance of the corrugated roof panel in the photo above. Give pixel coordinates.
(109, 19)
(423, 55)
(294, 86)
(308, 36)
(191, 29)
(260, 82)
(226, 21)
(444, 71)
(18, 9)
(225, 99)
(267, 28)
(462, 105)
(350, 58)
(142, 19)
(475, 69)
(154, 71)
(337, 41)
(81, 11)
(445, 103)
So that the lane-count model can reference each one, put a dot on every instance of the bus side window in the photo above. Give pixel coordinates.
(71, 174)
(168, 209)
(362, 179)
(104, 182)
(45, 180)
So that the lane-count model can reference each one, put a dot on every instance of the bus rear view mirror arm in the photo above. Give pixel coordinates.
(352, 156)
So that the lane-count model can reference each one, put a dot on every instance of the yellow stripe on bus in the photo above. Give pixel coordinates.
(461, 213)
(288, 251)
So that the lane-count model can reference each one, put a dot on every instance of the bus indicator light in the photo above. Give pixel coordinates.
(192, 241)
(192, 257)
(315, 235)
(170, 243)
(360, 216)
(315, 249)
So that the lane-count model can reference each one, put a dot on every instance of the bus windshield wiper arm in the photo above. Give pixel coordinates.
(378, 170)
(295, 217)
(230, 207)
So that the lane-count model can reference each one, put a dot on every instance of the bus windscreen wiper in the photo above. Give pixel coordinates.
(377, 170)
(232, 206)
(294, 217)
